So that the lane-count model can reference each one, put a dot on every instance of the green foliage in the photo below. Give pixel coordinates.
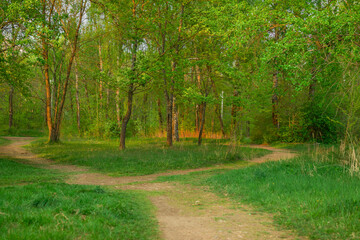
(318, 199)
(61, 211)
(143, 156)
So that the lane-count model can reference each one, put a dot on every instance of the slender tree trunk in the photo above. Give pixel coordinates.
(55, 130)
(127, 116)
(160, 115)
(234, 110)
(275, 101)
(176, 121)
(45, 55)
(101, 70)
(169, 112)
(107, 103)
(129, 98)
(117, 99)
(77, 98)
(217, 106)
(202, 123)
(11, 106)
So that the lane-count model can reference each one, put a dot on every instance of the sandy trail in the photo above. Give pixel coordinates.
(183, 212)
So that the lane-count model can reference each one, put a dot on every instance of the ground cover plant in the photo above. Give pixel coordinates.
(62, 211)
(145, 156)
(12, 172)
(4, 141)
(317, 198)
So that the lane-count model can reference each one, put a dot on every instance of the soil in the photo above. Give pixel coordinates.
(184, 212)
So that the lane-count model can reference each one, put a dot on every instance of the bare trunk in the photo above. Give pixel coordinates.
(129, 98)
(101, 70)
(217, 106)
(118, 117)
(160, 114)
(11, 106)
(77, 98)
(169, 112)
(202, 123)
(54, 130)
(275, 101)
(145, 113)
(234, 110)
(176, 121)
(107, 102)
(126, 117)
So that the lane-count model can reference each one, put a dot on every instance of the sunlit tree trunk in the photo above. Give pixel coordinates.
(130, 96)
(77, 98)
(11, 106)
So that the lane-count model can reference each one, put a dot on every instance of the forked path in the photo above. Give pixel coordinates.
(183, 212)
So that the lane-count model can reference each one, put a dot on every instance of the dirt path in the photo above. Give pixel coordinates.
(183, 212)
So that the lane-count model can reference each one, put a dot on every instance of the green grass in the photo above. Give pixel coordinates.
(318, 199)
(145, 156)
(4, 141)
(61, 211)
(12, 172)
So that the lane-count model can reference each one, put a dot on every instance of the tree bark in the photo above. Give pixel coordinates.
(234, 110)
(54, 129)
(176, 121)
(77, 98)
(117, 99)
(101, 70)
(127, 116)
(129, 98)
(11, 106)
(275, 100)
(217, 106)
(160, 115)
(202, 123)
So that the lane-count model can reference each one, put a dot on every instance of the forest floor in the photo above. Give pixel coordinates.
(184, 212)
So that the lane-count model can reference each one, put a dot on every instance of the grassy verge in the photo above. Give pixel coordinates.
(4, 141)
(61, 211)
(318, 199)
(144, 156)
(12, 172)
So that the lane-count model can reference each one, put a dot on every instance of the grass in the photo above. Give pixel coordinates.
(4, 141)
(61, 211)
(318, 199)
(145, 156)
(12, 172)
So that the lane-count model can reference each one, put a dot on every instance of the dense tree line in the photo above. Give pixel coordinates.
(261, 70)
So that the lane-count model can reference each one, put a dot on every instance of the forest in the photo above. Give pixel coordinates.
(141, 87)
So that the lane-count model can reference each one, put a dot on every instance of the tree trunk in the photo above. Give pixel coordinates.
(176, 121)
(234, 110)
(101, 70)
(202, 123)
(160, 115)
(129, 98)
(117, 99)
(275, 101)
(11, 106)
(127, 116)
(218, 106)
(77, 98)
(169, 112)
(54, 130)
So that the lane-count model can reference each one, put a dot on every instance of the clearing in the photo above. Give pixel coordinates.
(183, 211)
